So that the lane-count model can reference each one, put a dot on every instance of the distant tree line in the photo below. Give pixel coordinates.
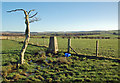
(51, 34)
(75, 34)
(116, 33)
(12, 34)
(85, 37)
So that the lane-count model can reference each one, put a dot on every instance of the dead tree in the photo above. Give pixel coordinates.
(28, 19)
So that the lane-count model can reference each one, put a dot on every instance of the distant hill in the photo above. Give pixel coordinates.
(114, 32)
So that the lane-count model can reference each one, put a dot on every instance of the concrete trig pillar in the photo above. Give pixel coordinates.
(53, 45)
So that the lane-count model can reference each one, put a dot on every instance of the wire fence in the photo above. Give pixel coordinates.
(107, 47)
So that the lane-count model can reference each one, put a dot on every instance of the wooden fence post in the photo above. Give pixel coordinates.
(97, 47)
(43, 41)
(69, 44)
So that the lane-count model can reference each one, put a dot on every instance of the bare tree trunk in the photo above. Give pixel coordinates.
(27, 33)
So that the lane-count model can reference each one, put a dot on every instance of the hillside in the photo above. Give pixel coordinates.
(67, 33)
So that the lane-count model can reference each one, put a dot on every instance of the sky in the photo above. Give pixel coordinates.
(62, 16)
(60, 0)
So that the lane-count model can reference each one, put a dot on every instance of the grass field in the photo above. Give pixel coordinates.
(107, 47)
(48, 67)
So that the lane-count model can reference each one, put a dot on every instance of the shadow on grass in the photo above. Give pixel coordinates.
(21, 42)
(98, 57)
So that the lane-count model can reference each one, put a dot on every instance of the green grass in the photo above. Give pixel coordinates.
(13, 48)
(57, 67)
(107, 47)
(36, 41)
(8, 45)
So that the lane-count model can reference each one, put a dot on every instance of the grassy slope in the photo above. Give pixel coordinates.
(107, 47)
(73, 69)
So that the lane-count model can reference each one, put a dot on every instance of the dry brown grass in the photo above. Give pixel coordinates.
(62, 60)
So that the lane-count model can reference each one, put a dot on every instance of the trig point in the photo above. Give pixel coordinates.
(53, 45)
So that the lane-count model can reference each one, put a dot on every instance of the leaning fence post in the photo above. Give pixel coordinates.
(69, 44)
(97, 47)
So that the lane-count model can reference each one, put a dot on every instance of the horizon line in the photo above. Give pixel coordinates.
(60, 31)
